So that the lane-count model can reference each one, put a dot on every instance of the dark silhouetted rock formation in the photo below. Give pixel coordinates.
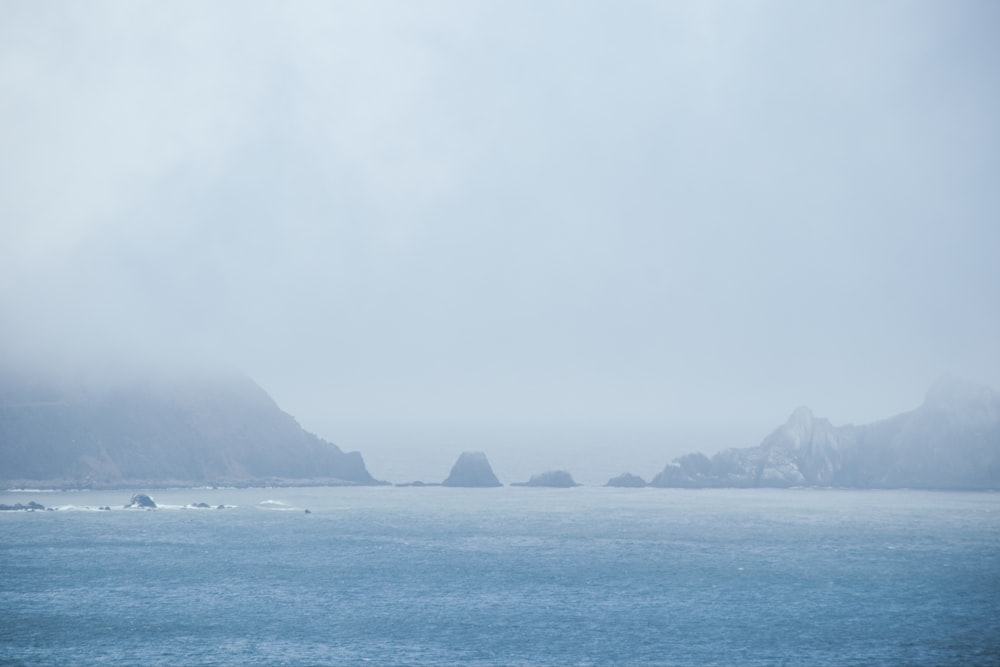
(156, 429)
(553, 478)
(472, 469)
(32, 506)
(952, 441)
(628, 480)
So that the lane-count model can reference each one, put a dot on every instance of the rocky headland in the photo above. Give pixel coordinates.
(952, 441)
(155, 430)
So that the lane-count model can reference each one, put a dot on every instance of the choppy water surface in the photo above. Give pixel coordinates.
(503, 576)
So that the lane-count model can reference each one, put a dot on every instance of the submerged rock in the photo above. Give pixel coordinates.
(627, 479)
(552, 478)
(472, 469)
(141, 500)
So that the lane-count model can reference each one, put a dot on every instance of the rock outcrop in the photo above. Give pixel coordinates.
(31, 506)
(627, 480)
(552, 478)
(141, 500)
(472, 469)
(952, 441)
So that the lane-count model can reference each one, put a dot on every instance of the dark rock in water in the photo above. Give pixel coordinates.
(105, 508)
(201, 505)
(627, 480)
(472, 469)
(141, 500)
(308, 512)
(19, 507)
(552, 478)
(220, 507)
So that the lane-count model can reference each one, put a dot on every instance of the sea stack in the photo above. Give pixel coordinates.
(472, 469)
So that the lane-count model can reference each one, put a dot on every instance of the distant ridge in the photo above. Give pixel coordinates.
(158, 429)
(952, 441)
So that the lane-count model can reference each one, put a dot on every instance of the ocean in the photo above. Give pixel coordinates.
(506, 576)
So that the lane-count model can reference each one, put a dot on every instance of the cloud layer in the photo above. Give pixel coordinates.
(496, 214)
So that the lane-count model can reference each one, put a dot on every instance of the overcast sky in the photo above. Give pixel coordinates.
(534, 228)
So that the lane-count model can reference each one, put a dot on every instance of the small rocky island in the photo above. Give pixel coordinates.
(559, 479)
(472, 469)
(627, 479)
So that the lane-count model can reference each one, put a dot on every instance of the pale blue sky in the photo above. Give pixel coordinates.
(527, 227)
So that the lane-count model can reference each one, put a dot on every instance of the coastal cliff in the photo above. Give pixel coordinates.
(182, 429)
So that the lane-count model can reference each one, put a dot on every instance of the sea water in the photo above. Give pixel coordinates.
(507, 576)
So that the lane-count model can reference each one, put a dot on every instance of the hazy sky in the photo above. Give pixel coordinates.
(533, 228)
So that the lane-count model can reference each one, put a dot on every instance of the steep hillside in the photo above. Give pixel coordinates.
(204, 428)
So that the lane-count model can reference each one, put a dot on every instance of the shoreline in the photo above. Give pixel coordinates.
(287, 484)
